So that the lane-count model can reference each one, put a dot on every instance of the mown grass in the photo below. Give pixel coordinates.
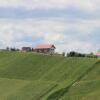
(30, 76)
(88, 88)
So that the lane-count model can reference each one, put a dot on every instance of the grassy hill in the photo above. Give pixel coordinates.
(88, 88)
(28, 76)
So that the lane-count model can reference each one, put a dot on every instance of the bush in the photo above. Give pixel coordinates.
(63, 54)
(75, 54)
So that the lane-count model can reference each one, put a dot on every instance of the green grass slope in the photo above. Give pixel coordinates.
(29, 76)
(88, 88)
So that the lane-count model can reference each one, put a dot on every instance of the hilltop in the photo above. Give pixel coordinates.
(31, 76)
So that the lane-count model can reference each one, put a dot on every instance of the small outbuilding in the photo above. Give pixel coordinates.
(26, 49)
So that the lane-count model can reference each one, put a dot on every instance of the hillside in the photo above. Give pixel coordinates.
(28, 76)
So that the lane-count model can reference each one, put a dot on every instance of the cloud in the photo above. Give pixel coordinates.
(69, 24)
(34, 4)
(67, 9)
(78, 46)
(78, 35)
(18, 31)
(87, 5)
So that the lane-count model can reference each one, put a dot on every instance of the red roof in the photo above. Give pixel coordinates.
(98, 54)
(44, 46)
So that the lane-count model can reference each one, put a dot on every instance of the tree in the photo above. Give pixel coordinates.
(63, 54)
(7, 48)
(75, 54)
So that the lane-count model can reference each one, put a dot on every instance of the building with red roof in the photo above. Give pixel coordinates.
(45, 48)
(98, 54)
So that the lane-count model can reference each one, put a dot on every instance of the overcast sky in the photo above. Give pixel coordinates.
(69, 24)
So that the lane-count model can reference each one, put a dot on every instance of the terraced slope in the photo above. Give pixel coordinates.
(88, 88)
(28, 76)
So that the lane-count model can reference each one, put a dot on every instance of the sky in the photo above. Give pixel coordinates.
(71, 25)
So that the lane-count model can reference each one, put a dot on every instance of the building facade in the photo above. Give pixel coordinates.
(45, 48)
(26, 49)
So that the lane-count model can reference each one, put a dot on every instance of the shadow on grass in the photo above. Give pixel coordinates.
(46, 92)
(58, 94)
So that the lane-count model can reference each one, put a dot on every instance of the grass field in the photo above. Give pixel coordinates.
(29, 76)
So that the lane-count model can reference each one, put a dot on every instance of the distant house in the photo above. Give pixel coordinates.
(26, 49)
(98, 54)
(45, 48)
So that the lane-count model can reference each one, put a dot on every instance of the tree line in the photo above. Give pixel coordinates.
(76, 54)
